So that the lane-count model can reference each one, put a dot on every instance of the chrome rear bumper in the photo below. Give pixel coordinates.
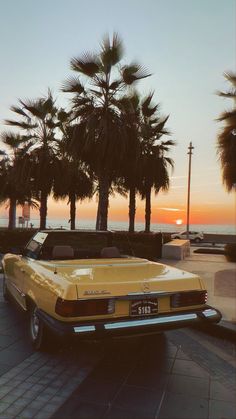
(178, 319)
(132, 325)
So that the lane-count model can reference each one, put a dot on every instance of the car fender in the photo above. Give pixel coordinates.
(30, 299)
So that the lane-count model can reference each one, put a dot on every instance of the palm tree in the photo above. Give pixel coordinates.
(101, 136)
(38, 121)
(7, 192)
(153, 162)
(226, 145)
(130, 114)
(13, 189)
(154, 175)
(76, 183)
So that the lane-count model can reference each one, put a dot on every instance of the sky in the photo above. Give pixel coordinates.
(187, 45)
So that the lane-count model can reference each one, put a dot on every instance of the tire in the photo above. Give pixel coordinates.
(5, 291)
(38, 333)
(197, 240)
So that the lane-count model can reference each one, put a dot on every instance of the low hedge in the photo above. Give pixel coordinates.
(146, 245)
(230, 252)
(14, 240)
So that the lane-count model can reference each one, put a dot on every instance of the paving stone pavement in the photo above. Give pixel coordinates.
(176, 375)
(36, 387)
(34, 384)
(160, 376)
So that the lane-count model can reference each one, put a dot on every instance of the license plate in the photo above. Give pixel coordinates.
(143, 307)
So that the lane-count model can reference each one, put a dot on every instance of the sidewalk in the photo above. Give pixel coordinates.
(219, 276)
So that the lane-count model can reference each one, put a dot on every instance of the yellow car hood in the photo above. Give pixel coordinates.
(115, 277)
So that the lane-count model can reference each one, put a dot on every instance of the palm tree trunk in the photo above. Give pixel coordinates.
(103, 203)
(98, 215)
(72, 210)
(147, 210)
(12, 214)
(43, 209)
(132, 208)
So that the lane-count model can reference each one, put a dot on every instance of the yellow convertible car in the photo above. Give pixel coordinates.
(76, 283)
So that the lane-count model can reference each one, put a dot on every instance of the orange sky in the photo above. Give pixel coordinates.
(163, 211)
(210, 203)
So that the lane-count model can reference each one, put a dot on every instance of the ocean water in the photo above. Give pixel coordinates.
(120, 225)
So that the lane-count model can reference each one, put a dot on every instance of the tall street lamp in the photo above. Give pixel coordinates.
(190, 148)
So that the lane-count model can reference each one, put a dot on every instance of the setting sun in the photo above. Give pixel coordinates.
(179, 222)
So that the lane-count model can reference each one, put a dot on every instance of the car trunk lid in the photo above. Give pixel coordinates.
(122, 276)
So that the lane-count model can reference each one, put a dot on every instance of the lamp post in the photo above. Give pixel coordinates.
(190, 148)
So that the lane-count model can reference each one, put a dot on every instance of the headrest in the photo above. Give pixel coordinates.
(62, 252)
(110, 252)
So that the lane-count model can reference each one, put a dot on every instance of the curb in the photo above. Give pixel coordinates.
(223, 329)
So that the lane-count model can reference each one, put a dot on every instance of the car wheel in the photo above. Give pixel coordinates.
(197, 240)
(5, 291)
(37, 330)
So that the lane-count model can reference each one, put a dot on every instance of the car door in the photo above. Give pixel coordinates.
(15, 277)
(23, 274)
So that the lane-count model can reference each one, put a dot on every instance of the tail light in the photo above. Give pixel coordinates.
(191, 298)
(77, 308)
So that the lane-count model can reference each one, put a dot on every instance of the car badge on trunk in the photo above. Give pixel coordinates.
(96, 292)
(145, 287)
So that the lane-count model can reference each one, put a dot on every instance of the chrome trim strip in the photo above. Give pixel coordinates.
(152, 292)
(17, 289)
(137, 295)
(144, 322)
(209, 312)
(150, 321)
(90, 266)
(81, 329)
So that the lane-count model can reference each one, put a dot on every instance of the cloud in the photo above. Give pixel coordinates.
(178, 177)
(171, 209)
(177, 187)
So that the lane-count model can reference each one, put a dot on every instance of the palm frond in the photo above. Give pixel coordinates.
(160, 126)
(148, 110)
(18, 110)
(87, 64)
(111, 51)
(231, 77)
(72, 85)
(12, 140)
(168, 143)
(231, 94)
(133, 72)
(23, 125)
(48, 107)
(147, 100)
(228, 116)
(115, 84)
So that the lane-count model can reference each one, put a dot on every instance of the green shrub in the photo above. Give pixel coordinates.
(230, 252)
(14, 240)
(166, 237)
(145, 245)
